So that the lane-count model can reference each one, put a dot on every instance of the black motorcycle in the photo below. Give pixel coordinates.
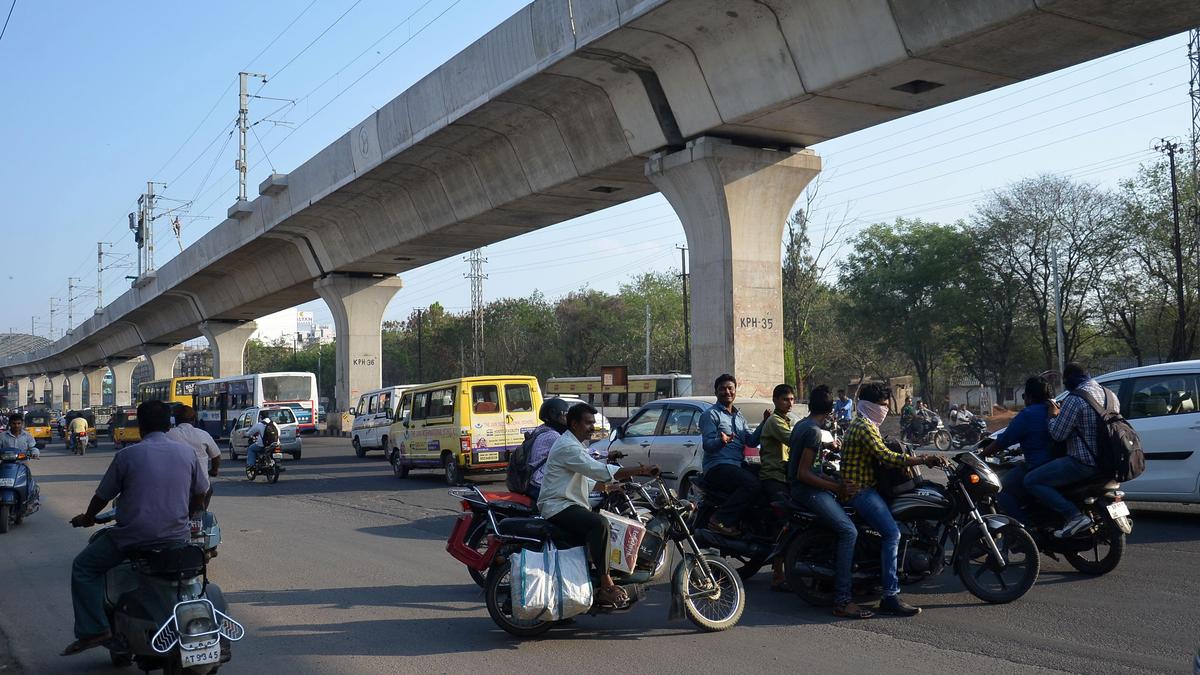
(703, 588)
(969, 434)
(268, 462)
(928, 429)
(994, 556)
(1096, 549)
(760, 527)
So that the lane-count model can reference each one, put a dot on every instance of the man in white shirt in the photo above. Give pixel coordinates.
(570, 474)
(198, 440)
(16, 437)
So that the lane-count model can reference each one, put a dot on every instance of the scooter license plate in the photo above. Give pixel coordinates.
(199, 656)
(8, 482)
(1118, 509)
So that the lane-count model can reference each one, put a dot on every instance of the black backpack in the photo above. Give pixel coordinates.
(1118, 452)
(519, 470)
(270, 434)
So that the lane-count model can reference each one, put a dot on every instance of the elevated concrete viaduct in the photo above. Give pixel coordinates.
(569, 107)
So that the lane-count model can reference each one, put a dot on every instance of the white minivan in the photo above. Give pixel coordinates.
(375, 412)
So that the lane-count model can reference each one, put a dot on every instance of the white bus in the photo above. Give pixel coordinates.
(218, 402)
(618, 405)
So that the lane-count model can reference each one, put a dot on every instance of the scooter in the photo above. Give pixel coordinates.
(164, 612)
(268, 462)
(19, 494)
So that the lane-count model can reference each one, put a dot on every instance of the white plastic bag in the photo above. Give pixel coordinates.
(624, 538)
(551, 584)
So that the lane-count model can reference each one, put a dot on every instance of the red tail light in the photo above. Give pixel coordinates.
(464, 443)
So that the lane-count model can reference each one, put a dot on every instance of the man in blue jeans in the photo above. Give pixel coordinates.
(1029, 430)
(1076, 423)
(862, 447)
(815, 491)
(725, 436)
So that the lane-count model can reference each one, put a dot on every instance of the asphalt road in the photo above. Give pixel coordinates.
(341, 568)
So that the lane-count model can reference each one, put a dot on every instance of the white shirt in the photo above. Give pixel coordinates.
(197, 439)
(256, 432)
(22, 441)
(570, 474)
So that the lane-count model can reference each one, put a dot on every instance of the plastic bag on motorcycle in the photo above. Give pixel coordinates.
(551, 584)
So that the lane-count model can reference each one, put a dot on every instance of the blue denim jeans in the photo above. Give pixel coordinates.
(831, 512)
(1043, 482)
(87, 585)
(252, 453)
(1012, 492)
(876, 513)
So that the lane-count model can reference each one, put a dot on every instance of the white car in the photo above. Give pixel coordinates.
(285, 419)
(1162, 403)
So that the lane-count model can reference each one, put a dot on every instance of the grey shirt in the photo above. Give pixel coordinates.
(156, 479)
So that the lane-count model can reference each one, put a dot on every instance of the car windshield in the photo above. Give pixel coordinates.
(281, 415)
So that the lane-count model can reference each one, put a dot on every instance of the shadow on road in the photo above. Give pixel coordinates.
(431, 597)
(434, 528)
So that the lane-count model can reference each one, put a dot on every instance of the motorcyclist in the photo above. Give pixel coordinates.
(815, 490)
(960, 421)
(862, 448)
(570, 474)
(922, 421)
(773, 452)
(262, 435)
(724, 437)
(1029, 430)
(553, 414)
(77, 430)
(906, 414)
(160, 482)
(17, 437)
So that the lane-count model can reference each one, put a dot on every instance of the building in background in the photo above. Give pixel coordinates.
(277, 328)
(194, 362)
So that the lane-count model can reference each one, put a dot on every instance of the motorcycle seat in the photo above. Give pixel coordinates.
(508, 498)
(1089, 488)
(182, 561)
(534, 528)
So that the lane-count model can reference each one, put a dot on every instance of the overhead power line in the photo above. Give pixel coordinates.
(6, 19)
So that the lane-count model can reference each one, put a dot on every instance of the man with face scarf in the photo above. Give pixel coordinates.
(861, 448)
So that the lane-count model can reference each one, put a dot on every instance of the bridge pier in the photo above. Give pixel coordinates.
(56, 391)
(75, 380)
(122, 371)
(95, 380)
(357, 304)
(733, 202)
(24, 389)
(227, 340)
(41, 389)
(162, 359)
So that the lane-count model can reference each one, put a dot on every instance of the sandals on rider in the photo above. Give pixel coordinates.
(612, 596)
(852, 611)
(84, 644)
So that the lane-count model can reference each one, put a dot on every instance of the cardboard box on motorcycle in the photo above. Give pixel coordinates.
(624, 539)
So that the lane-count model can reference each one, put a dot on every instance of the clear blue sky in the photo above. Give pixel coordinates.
(101, 97)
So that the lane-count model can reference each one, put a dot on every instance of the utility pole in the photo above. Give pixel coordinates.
(1194, 92)
(1179, 337)
(243, 127)
(419, 322)
(647, 338)
(72, 283)
(687, 326)
(1058, 327)
(53, 310)
(477, 276)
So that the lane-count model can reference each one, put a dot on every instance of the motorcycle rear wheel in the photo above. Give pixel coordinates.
(273, 476)
(941, 440)
(1100, 561)
(499, 601)
(977, 573)
(811, 547)
(712, 613)
(477, 539)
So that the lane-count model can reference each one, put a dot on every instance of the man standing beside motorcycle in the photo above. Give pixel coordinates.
(862, 447)
(1029, 430)
(725, 436)
(1076, 424)
(160, 482)
(570, 474)
(815, 490)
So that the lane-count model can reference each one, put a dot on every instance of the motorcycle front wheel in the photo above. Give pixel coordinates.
(499, 605)
(991, 582)
(712, 609)
(941, 440)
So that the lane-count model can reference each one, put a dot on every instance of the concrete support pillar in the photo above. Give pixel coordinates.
(734, 202)
(57, 381)
(75, 380)
(123, 380)
(95, 380)
(162, 359)
(357, 305)
(227, 340)
(41, 389)
(24, 389)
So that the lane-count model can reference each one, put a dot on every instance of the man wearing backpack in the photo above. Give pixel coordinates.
(553, 414)
(1077, 423)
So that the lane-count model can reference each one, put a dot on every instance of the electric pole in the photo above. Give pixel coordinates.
(1058, 327)
(477, 276)
(1194, 92)
(243, 127)
(1179, 338)
(419, 322)
(647, 338)
(687, 326)
(53, 310)
(100, 277)
(72, 284)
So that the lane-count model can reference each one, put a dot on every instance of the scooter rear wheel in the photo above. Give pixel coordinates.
(5, 517)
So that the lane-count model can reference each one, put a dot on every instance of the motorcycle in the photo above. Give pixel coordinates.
(968, 435)
(703, 588)
(1096, 549)
(79, 443)
(933, 432)
(993, 555)
(268, 462)
(164, 612)
(19, 494)
(759, 527)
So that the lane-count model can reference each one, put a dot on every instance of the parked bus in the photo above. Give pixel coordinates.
(618, 405)
(218, 402)
(171, 390)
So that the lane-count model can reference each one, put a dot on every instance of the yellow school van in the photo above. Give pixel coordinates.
(463, 426)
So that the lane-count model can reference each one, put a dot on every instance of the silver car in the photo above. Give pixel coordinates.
(666, 432)
(285, 419)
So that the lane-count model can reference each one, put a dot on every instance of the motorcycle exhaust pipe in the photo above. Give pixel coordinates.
(736, 546)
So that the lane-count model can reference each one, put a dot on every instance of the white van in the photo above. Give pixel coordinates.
(373, 415)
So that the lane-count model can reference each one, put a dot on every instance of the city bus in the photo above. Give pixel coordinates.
(172, 390)
(617, 403)
(218, 402)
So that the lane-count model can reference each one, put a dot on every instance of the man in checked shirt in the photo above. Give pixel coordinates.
(862, 446)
